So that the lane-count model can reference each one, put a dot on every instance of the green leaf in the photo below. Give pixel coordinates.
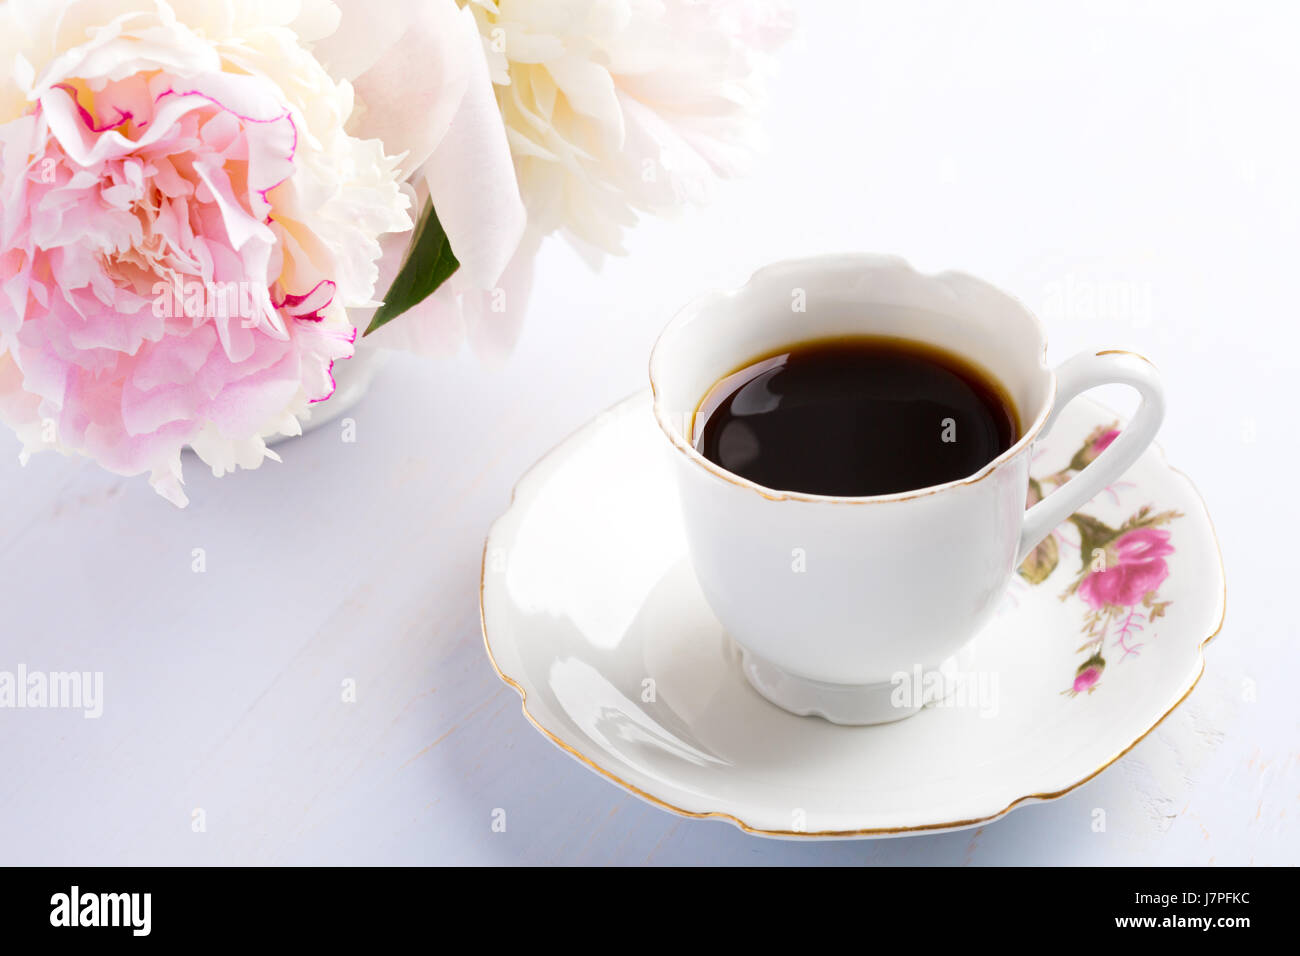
(1042, 561)
(1093, 534)
(429, 263)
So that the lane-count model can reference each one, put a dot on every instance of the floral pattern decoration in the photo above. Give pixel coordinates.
(1120, 571)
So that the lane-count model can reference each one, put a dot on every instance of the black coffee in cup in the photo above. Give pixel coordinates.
(855, 416)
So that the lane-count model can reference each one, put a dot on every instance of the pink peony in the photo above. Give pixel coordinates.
(191, 206)
(1135, 567)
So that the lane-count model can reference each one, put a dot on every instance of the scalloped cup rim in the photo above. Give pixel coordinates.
(691, 311)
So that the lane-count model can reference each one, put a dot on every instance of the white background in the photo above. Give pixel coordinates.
(1131, 171)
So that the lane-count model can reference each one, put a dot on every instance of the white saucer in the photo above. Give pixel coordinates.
(591, 611)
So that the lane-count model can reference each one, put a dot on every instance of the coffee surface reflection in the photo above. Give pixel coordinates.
(855, 416)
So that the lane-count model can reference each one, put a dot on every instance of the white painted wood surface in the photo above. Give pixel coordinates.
(1130, 175)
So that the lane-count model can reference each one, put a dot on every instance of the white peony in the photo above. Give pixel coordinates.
(615, 107)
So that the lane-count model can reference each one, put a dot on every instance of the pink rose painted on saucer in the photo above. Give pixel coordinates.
(1137, 568)
(1121, 569)
(1100, 439)
(1086, 677)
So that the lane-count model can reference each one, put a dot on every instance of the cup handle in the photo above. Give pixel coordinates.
(1073, 377)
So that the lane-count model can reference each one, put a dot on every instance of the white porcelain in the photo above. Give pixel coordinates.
(592, 613)
(832, 598)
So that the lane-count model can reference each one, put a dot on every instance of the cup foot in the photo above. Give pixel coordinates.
(850, 704)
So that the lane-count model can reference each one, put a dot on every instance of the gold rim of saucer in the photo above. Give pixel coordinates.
(822, 834)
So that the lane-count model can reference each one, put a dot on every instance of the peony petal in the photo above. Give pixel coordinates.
(412, 93)
(241, 225)
(471, 179)
(590, 91)
(365, 35)
(493, 319)
(434, 329)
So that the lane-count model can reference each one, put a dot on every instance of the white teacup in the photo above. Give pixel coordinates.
(830, 598)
